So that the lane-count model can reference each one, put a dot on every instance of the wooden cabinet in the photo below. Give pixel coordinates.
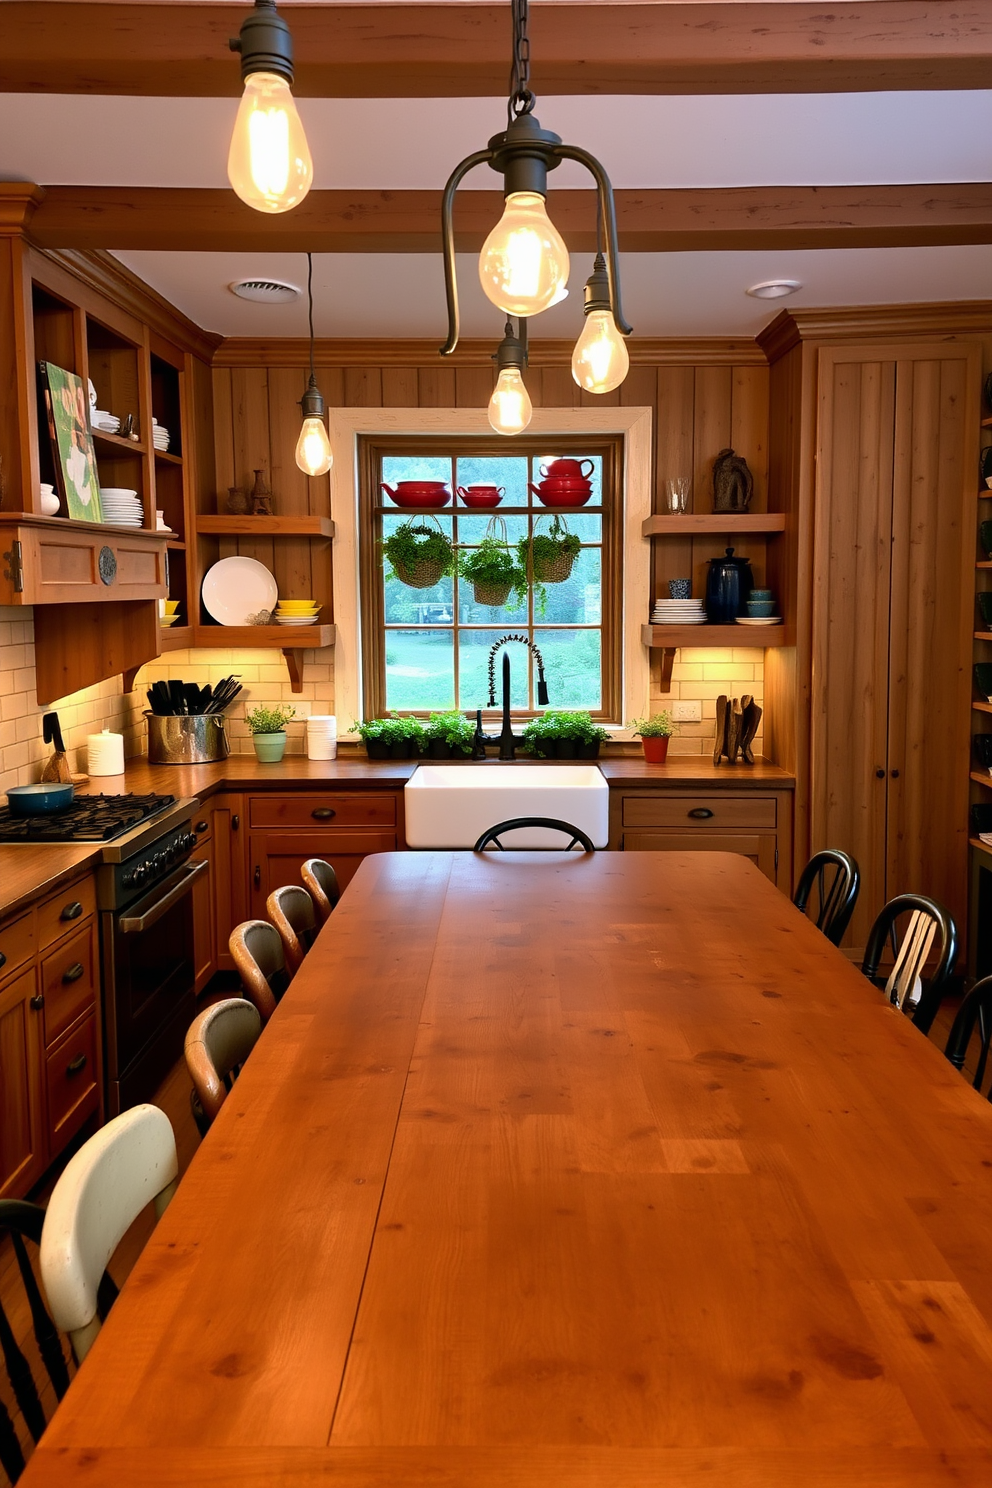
(204, 895)
(50, 1048)
(342, 827)
(892, 618)
(755, 824)
(229, 874)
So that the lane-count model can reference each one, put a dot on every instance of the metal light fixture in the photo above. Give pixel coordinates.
(510, 408)
(600, 361)
(313, 448)
(269, 162)
(523, 266)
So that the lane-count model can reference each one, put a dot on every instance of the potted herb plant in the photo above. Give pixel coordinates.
(549, 556)
(419, 555)
(654, 734)
(564, 735)
(268, 732)
(371, 733)
(492, 569)
(404, 736)
(449, 735)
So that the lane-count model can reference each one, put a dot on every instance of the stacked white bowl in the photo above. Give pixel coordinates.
(121, 506)
(322, 736)
(160, 436)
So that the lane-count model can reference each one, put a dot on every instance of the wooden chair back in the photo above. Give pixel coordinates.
(129, 1163)
(975, 1011)
(929, 925)
(291, 911)
(258, 955)
(575, 834)
(23, 1221)
(218, 1042)
(321, 883)
(832, 881)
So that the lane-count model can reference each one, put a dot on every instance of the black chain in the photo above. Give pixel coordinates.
(521, 99)
(310, 310)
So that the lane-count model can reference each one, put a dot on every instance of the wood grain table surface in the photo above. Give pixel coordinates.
(605, 1171)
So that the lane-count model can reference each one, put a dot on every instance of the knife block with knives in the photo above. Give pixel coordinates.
(736, 725)
(57, 767)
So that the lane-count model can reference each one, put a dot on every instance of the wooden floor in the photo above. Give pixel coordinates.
(173, 1098)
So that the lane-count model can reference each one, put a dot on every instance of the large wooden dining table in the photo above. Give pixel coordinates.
(603, 1171)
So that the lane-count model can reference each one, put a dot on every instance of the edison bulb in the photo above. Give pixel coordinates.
(510, 407)
(313, 448)
(269, 162)
(600, 361)
(523, 265)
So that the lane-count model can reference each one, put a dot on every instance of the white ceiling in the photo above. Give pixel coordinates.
(821, 139)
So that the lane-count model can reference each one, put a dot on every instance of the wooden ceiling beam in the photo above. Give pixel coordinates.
(415, 50)
(666, 221)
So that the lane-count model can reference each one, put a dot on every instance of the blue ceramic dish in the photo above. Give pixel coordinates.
(758, 609)
(39, 800)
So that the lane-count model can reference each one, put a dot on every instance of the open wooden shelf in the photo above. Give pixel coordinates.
(981, 707)
(180, 547)
(983, 635)
(116, 441)
(669, 637)
(982, 563)
(985, 847)
(267, 526)
(980, 779)
(714, 522)
(168, 459)
(176, 637)
(281, 637)
(987, 423)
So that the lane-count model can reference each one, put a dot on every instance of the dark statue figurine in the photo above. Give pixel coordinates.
(261, 496)
(733, 483)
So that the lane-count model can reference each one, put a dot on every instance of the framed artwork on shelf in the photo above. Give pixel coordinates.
(72, 442)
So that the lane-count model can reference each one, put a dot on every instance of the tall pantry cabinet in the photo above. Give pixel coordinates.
(877, 462)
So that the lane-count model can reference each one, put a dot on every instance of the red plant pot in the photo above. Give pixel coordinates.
(655, 749)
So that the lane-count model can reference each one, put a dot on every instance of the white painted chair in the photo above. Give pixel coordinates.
(126, 1165)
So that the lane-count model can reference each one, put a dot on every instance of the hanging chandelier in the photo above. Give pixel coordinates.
(510, 408)
(524, 265)
(269, 162)
(313, 448)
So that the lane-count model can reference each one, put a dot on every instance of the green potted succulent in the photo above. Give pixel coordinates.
(564, 735)
(654, 734)
(419, 555)
(493, 572)
(449, 736)
(268, 732)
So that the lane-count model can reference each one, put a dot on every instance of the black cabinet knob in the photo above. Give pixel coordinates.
(235, 823)
(76, 1065)
(3, 959)
(74, 972)
(700, 812)
(71, 911)
(38, 1002)
(257, 877)
(879, 774)
(201, 826)
(895, 774)
(323, 813)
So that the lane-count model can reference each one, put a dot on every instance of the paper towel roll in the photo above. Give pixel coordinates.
(105, 753)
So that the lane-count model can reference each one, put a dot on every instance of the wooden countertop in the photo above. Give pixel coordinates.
(585, 1171)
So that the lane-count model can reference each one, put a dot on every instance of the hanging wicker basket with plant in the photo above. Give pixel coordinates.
(492, 569)
(419, 555)
(549, 556)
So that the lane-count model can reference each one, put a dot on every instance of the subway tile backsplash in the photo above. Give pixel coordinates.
(706, 675)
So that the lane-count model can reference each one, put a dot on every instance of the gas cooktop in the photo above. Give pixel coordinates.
(88, 819)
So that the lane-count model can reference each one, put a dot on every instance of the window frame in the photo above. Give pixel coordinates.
(372, 507)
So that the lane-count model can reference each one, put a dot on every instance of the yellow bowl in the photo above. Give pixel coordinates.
(297, 604)
(171, 606)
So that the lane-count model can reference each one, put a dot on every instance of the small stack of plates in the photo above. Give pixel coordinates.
(759, 620)
(160, 436)
(678, 612)
(297, 612)
(121, 506)
(106, 423)
(168, 611)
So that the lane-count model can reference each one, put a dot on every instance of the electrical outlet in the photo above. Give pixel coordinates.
(688, 712)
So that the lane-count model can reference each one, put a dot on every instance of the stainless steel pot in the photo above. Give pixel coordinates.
(190, 739)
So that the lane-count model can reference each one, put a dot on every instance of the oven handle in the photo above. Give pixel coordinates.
(134, 925)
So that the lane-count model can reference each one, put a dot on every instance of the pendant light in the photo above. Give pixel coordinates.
(523, 267)
(510, 408)
(313, 448)
(600, 361)
(269, 162)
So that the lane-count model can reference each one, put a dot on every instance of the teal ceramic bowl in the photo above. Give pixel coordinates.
(759, 609)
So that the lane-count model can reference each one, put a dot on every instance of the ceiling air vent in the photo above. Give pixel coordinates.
(265, 291)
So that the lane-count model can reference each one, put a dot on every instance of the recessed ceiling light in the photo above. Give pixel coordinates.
(265, 291)
(774, 289)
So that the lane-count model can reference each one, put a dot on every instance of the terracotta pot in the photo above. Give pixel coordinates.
(656, 749)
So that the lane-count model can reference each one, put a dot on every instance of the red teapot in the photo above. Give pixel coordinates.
(481, 495)
(417, 494)
(568, 470)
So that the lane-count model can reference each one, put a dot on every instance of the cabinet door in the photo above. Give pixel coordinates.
(204, 928)
(276, 857)
(229, 874)
(851, 576)
(930, 645)
(22, 1141)
(759, 847)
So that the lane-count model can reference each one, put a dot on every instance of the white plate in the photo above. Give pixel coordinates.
(235, 588)
(118, 491)
(759, 619)
(694, 620)
(284, 620)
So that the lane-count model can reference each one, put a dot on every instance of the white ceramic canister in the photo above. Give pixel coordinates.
(105, 753)
(322, 736)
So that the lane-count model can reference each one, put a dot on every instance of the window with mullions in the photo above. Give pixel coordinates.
(426, 650)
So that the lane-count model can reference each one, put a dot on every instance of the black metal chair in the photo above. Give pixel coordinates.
(23, 1221)
(575, 833)
(975, 1009)
(904, 986)
(836, 892)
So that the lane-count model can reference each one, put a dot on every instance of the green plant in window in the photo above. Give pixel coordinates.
(449, 733)
(548, 557)
(493, 572)
(419, 555)
(565, 734)
(268, 720)
(658, 726)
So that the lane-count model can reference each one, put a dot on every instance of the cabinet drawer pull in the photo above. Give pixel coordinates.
(71, 911)
(201, 826)
(700, 812)
(3, 959)
(879, 774)
(323, 813)
(76, 1065)
(74, 972)
(38, 1002)
(235, 822)
(257, 877)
